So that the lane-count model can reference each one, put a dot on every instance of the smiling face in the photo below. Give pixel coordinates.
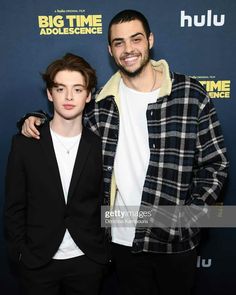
(130, 47)
(69, 94)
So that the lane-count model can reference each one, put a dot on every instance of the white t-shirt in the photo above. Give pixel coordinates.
(66, 150)
(132, 158)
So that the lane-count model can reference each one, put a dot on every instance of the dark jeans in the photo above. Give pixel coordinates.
(152, 273)
(80, 276)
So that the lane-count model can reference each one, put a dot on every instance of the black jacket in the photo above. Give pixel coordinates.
(36, 215)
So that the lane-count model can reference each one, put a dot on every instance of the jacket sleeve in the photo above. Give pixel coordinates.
(91, 116)
(15, 203)
(39, 114)
(211, 164)
(210, 168)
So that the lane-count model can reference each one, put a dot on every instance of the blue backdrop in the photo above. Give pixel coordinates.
(196, 38)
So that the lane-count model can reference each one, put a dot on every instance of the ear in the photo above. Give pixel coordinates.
(49, 95)
(89, 97)
(151, 40)
(109, 49)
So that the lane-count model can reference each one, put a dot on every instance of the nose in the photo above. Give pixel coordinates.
(69, 95)
(128, 46)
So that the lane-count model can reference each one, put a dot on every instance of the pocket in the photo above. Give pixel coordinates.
(172, 235)
(166, 234)
(188, 233)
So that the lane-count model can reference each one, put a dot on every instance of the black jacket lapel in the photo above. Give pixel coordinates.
(80, 161)
(51, 161)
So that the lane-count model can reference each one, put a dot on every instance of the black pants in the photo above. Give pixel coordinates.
(151, 273)
(80, 276)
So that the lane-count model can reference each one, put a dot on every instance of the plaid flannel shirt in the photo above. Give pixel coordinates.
(188, 163)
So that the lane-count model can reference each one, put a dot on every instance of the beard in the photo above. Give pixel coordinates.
(136, 72)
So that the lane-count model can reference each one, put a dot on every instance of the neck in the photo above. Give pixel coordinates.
(67, 128)
(148, 80)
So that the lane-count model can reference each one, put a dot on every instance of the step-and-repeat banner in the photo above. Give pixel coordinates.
(196, 38)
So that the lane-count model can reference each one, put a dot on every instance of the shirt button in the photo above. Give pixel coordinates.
(151, 113)
(109, 168)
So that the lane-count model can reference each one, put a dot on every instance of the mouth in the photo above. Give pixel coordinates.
(68, 106)
(130, 59)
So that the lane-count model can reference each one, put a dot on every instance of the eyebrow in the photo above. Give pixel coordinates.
(132, 36)
(61, 84)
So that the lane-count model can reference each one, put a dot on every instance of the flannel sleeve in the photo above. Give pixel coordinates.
(211, 164)
(39, 114)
